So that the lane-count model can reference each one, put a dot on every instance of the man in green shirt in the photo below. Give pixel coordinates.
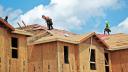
(107, 28)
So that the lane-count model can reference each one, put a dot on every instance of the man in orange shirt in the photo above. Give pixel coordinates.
(48, 21)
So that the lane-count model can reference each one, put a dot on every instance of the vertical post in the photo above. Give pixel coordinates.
(90, 49)
(90, 52)
(24, 23)
(58, 58)
(19, 25)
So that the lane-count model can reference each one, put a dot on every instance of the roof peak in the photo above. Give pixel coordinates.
(7, 24)
(36, 27)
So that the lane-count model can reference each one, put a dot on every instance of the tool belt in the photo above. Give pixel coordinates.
(107, 29)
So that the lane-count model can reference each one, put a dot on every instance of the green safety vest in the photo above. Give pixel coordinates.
(107, 25)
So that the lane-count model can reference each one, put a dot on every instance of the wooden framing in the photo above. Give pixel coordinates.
(6, 25)
(47, 53)
(48, 56)
(119, 60)
(7, 63)
(84, 56)
(118, 51)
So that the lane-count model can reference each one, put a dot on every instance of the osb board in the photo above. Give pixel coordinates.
(43, 58)
(47, 53)
(7, 63)
(35, 59)
(34, 54)
(119, 61)
(50, 57)
(4, 49)
(14, 67)
(22, 54)
(72, 66)
(85, 56)
(77, 58)
(1, 44)
(35, 67)
(117, 40)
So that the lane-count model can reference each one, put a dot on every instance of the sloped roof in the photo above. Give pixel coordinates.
(13, 30)
(70, 39)
(116, 41)
(42, 35)
(36, 28)
(2, 21)
(21, 32)
(40, 31)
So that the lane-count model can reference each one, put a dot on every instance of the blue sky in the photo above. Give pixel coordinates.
(24, 5)
(73, 15)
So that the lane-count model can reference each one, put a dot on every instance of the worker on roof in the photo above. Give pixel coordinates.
(48, 21)
(107, 28)
(6, 19)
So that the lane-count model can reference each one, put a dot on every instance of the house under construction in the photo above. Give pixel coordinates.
(40, 50)
(61, 51)
(118, 49)
(13, 48)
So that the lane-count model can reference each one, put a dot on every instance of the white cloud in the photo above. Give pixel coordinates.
(12, 14)
(69, 14)
(122, 27)
(66, 14)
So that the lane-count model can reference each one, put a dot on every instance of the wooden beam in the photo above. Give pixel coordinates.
(24, 23)
(19, 25)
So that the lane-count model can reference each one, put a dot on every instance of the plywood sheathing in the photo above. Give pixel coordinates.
(77, 53)
(119, 60)
(84, 55)
(13, 30)
(44, 52)
(116, 41)
(4, 50)
(35, 28)
(50, 57)
(73, 60)
(76, 39)
(9, 64)
(22, 32)
(6, 24)
(43, 57)
(40, 31)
